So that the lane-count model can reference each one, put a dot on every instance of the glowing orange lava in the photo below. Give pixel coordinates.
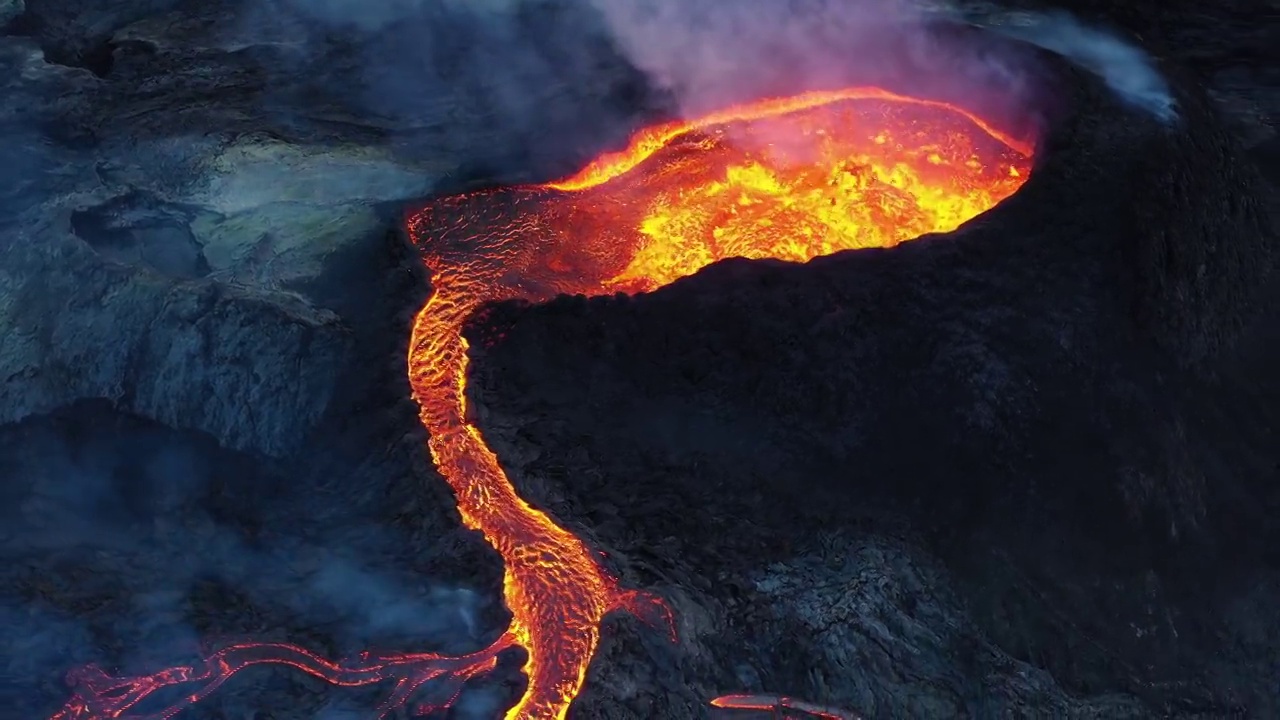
(781, 707)
(790, 178)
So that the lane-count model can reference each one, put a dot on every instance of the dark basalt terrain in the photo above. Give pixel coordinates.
(1027, 469)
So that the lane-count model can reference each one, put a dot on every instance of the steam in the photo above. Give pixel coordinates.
(710, 52)
(368, 16)
(533, 77)
(127, 505)
(1127, 69)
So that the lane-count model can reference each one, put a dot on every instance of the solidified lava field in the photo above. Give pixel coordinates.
(787, 178)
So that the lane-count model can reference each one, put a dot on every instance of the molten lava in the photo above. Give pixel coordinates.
(791, 178)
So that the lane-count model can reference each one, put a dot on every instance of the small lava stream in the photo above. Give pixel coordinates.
(790, 178)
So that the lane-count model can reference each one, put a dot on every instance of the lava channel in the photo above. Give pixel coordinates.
(790, 178)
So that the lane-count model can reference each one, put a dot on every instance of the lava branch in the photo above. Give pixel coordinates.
(781, 706)
(97, 695)
(611, 227)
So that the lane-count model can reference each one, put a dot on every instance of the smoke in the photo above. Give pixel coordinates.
(368, 16)
(532, 83)
(708, 53)
(492, 84)
(1127, 69)
(121, 542)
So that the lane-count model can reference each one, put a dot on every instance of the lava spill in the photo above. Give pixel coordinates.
(790, 178)
(781, 707)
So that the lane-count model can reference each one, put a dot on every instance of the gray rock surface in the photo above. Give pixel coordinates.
(178, 162)
(168, 275)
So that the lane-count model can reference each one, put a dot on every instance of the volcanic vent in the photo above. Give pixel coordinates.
(789, 178)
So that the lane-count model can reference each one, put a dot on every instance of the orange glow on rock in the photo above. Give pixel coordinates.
(790, 178)
(780, 707)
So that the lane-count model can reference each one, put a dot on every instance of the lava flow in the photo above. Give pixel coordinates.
(790, 178)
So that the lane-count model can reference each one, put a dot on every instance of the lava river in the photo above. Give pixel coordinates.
(790, 178)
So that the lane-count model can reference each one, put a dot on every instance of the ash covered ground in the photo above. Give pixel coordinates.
(1027, 469)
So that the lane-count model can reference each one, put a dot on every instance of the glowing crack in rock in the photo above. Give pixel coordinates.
(782, 707)
(790, 178)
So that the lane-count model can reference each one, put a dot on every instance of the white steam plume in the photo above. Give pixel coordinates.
(709, 52)
(1126, 68)
(713, 52)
